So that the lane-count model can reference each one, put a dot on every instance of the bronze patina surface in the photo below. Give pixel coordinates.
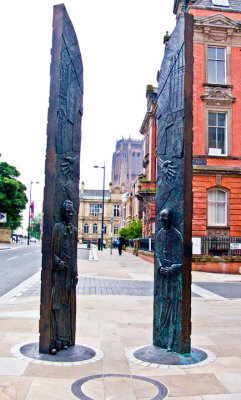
(61, 193)
(172, 272)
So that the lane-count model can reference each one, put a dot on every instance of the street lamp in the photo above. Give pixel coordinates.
(103, 203)
(31, 183)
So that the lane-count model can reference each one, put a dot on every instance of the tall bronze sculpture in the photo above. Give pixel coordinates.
(61, 193)
(172, 272)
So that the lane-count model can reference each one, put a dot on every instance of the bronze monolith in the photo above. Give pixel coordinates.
(172, 276)
(61, 192)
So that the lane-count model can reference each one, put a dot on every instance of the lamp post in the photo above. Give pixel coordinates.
(31, 183)
(103, 203)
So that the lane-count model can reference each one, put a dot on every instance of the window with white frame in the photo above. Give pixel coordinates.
(217, 207)
(95, 209)
(86, 228)
(217, 133)
(116, 210)
(216, 65)
(221, 3)
(115, 229)
(95, 229)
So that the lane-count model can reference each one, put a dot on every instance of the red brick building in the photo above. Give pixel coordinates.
(147, 185)
(216, 131)
(216, 136)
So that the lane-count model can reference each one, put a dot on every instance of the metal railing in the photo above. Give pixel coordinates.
(210, 245)
(147, 244)
(221, 246)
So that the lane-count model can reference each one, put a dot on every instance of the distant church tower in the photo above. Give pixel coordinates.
(127, 162)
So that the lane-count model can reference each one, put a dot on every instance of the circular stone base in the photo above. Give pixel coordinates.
(72, 354)
(78, 392)
(156, 355)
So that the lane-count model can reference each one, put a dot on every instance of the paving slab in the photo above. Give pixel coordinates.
(114, 314)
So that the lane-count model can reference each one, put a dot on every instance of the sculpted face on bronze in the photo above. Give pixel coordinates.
(67, 211)
(166, 218)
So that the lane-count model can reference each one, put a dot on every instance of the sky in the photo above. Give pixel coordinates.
(121, 42)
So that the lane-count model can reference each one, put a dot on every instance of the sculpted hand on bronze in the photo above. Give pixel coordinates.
(167, 168)
(69, 166)
(64, 280)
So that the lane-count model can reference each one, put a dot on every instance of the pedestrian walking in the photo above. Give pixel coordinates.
(120, 242)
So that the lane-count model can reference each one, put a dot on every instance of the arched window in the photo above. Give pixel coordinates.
(95, 228)
(138, 163)
(116, 210)
(217, 207)
(115, 229)
(133, 162)
(86, 228)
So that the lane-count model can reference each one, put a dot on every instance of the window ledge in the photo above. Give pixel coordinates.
(223, 85)
(218, 226)
(202, 156)
(217, 156)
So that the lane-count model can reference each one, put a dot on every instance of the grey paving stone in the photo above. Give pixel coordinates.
(12, 366)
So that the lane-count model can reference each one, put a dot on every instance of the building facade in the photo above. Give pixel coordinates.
(140, 202)
(216, 130)
(147, 185)
(126, 162)
(216, 225)
(90, 214)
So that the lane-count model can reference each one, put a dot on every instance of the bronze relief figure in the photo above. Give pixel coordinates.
(168, 283)
(64, 278)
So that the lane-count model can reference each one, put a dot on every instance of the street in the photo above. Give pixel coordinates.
(18, 264)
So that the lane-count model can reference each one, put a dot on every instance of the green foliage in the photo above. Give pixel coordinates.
(35, 227)
(12, 195)
(134, 230)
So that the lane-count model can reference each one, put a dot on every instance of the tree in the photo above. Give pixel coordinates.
(35, 227)
(12, 195)
(134, 230)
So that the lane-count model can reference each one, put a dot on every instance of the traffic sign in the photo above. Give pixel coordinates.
(3, 218)
(112, 220)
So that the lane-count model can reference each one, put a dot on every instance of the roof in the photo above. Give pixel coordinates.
(233, 5)
(92, 194)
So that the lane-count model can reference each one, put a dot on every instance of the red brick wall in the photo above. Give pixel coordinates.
(203, 182)
(219, 267)
(236, 92)
(200, 186)
(152, 151)
(198, 105)
(206, 13)
(234, 185)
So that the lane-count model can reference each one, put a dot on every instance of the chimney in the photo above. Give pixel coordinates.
(166, 38)
(82, 187)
